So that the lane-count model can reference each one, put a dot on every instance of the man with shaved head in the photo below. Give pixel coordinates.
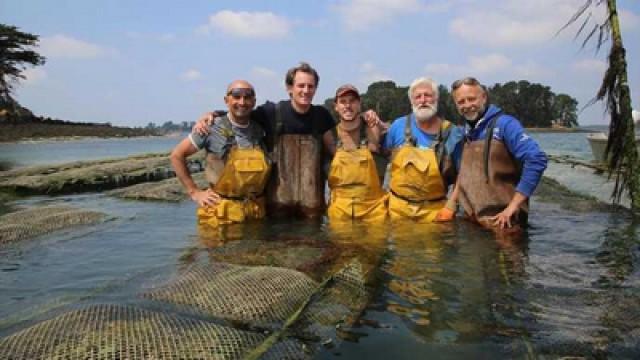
(237, 168)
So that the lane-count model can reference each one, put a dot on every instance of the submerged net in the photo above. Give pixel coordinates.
(33, 222)
(300, 313)
(125, 332)
(260, 295)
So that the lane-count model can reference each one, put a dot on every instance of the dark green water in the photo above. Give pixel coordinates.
(439, 291)
(569, 287)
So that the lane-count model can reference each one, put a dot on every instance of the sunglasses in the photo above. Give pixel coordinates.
(238, 93)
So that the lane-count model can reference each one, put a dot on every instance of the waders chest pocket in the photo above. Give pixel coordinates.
(249, 165)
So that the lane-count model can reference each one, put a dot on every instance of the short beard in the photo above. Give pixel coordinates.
(425, 113)
(477, 116)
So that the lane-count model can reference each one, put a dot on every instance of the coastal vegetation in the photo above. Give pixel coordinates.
(536, 105)
(621, 151)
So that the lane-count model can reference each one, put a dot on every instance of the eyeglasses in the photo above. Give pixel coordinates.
(238, 93)
(465, 81)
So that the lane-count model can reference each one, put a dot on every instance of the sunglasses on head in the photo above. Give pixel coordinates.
(237, 93)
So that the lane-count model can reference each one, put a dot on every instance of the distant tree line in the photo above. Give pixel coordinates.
(535, 105)
(170, 127)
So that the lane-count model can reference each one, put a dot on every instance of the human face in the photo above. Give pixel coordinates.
(424, 102)
(240, 100)
(302, 90)
(348, 107)
(470, 101)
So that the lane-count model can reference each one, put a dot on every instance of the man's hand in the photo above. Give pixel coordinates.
(205, 198)
(448, 212)
(445, 215)
(503, 219)
(373, 121)
(202, 125)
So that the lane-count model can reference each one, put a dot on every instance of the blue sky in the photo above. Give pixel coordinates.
(134, 62)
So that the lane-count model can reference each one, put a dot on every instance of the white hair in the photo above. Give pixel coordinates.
(424, 81)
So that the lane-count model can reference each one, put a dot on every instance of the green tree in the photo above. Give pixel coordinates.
(15, 55)
(621, 150)
(565, 110)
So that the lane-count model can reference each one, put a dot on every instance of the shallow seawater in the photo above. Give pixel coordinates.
(570, 286)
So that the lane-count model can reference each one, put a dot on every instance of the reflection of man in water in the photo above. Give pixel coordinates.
(236, 168)
(501, 164)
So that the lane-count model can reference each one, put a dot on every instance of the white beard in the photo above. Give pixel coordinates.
(425, 113)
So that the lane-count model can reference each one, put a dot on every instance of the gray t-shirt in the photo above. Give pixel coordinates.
(223, 134)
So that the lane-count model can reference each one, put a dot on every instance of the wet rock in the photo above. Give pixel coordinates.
(551, 191)
(165, 190)
(82, 176)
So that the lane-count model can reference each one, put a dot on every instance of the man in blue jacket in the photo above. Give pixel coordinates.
(501, 165)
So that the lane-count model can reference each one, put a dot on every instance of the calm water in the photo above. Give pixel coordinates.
(571, 287)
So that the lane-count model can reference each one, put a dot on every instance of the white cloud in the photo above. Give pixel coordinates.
(370, 74)
(191, 75)
(590, 66)
(489, 63)
(248, 24)
(477, 65)
(531, 70)
(362, 14)
(516, 22)
(62, 46)
(33, 75)
(263, 72)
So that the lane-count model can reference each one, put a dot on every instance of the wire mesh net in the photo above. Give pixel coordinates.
(30, 223)
(126, 332)
(260, 295)
(299, 312)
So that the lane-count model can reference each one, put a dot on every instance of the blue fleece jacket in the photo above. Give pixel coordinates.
(523, 148)
(395, 138)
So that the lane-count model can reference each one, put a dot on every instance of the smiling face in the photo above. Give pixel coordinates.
(424, 102)
(302, 90)
(347, 106)
(470, 100)
(240, 99)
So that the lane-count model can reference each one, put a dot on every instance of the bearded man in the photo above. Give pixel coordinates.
(425, 154)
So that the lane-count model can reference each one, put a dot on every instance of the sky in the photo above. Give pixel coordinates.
(132, 62)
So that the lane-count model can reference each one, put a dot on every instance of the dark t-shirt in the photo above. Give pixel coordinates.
(292, 121)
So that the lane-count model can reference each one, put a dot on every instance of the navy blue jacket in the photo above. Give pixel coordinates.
(523, 148)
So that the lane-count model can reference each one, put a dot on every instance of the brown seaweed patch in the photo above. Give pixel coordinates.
(82, 176)
(165, 190)
(551, 191)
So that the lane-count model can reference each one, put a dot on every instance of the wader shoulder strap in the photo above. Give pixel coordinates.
(227, 129)
(408, 136)
(487, 144)
(364, 141)
(277, 126)
(439, 146)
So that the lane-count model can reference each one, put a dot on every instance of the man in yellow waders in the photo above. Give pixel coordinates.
(356, 192)
(237, 168)
(425, 153)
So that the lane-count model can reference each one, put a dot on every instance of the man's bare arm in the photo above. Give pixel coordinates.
(329, 141)
(178, 159)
